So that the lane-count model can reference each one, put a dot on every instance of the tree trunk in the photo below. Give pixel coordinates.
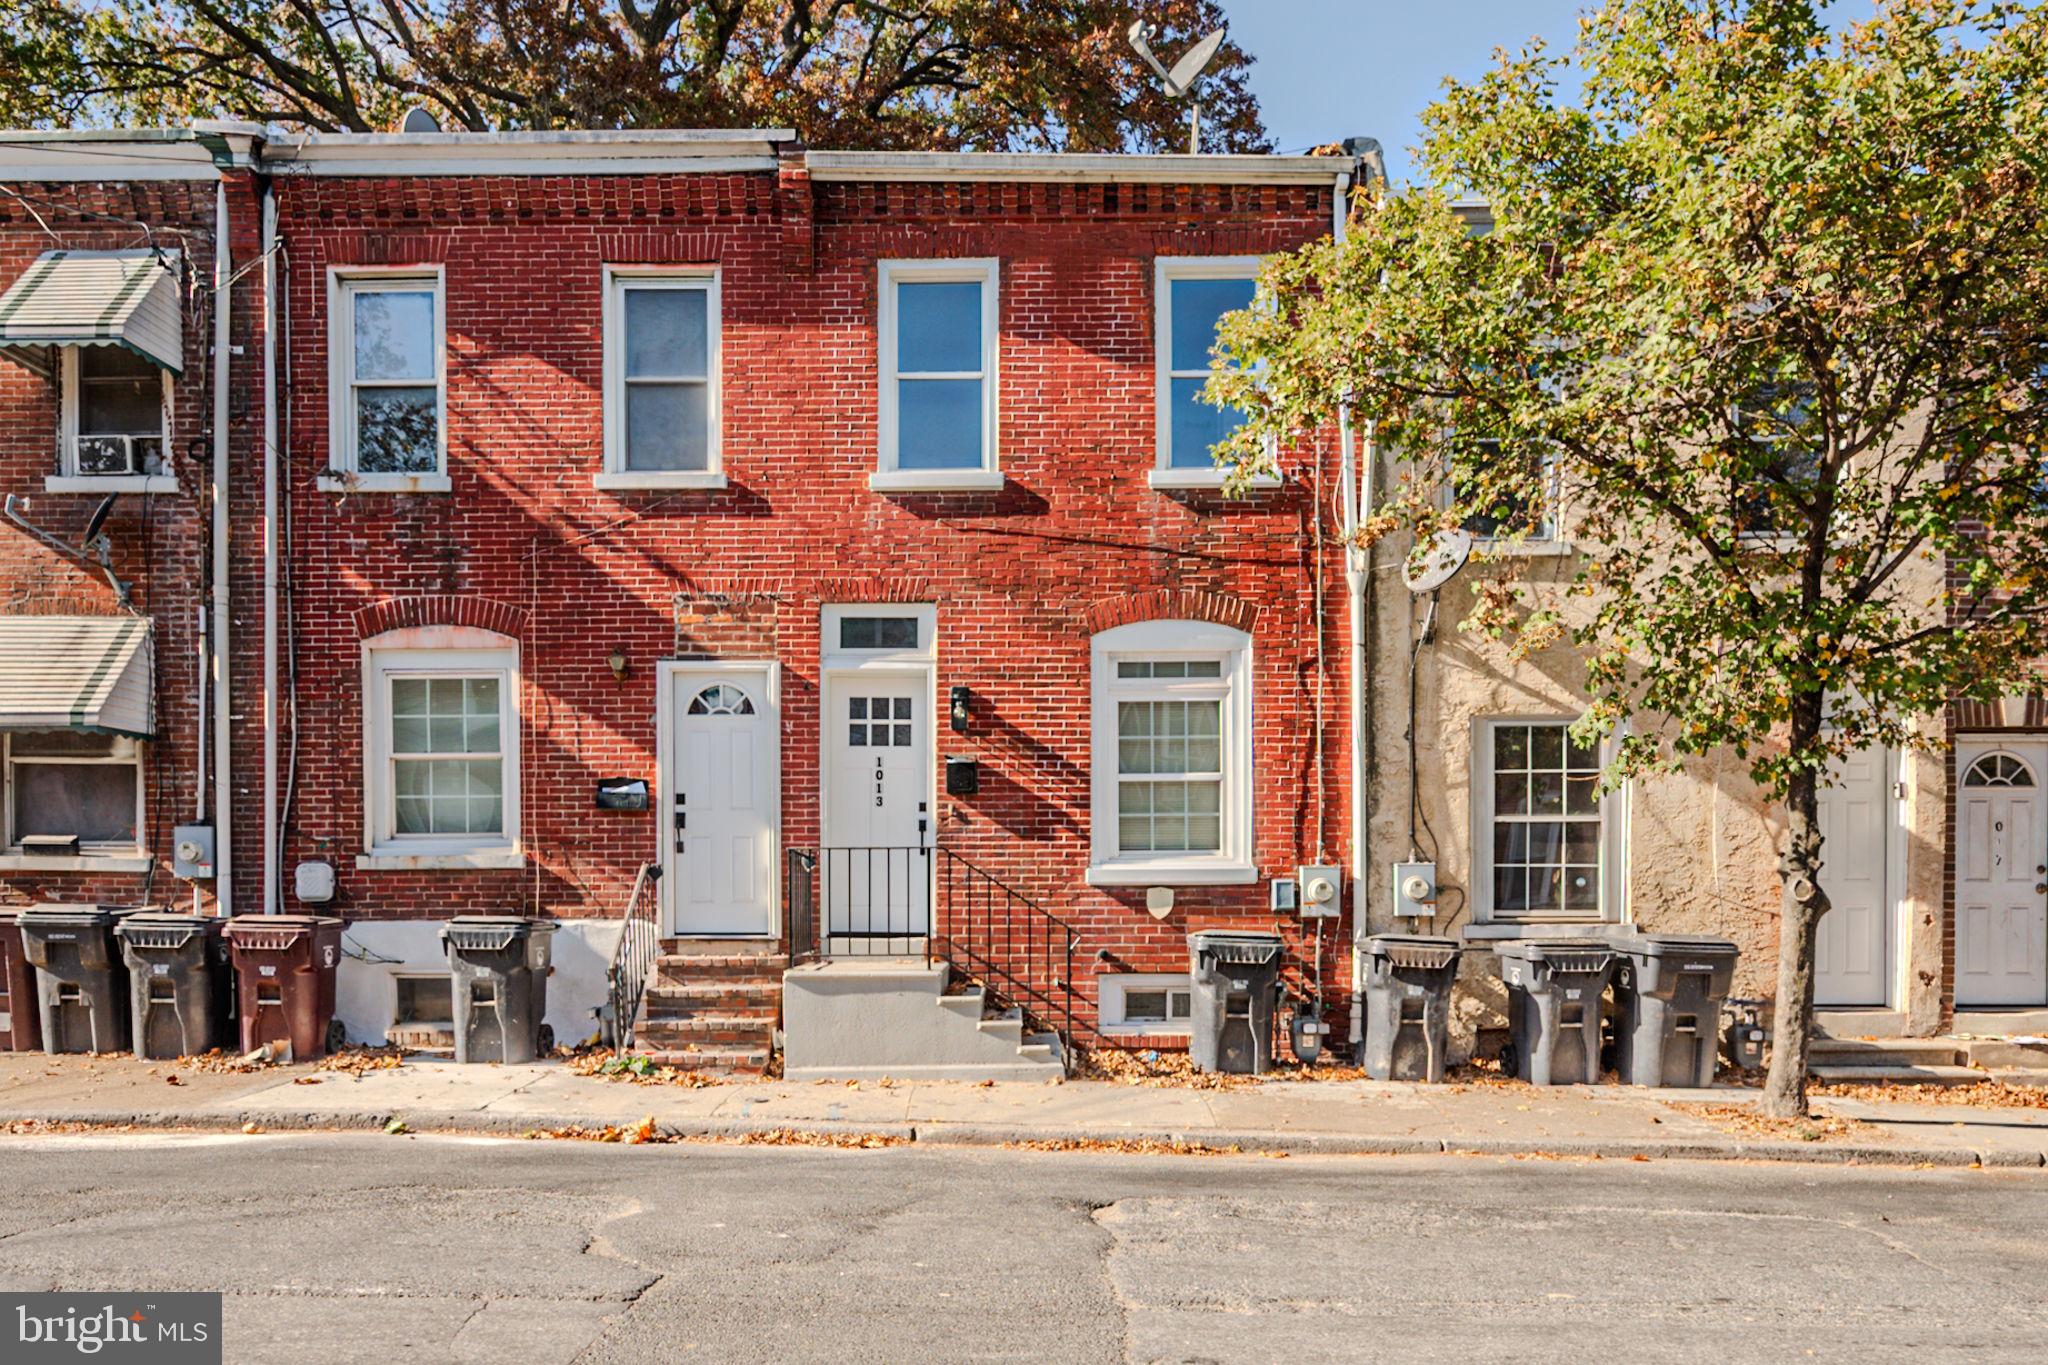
(1804, 903)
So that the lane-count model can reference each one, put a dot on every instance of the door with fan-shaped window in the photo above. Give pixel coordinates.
(719, 824)
(2001, 861)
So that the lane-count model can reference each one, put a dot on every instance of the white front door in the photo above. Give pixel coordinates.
(875, 864)
(719, 824)
(2001, 869)
(1852, 959)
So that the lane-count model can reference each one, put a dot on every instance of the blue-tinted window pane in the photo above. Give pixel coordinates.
(1197, 426)
(668, 426)
(938, 328)
(938, 424)
(1196, 305)
(394, 333)
(666, 333)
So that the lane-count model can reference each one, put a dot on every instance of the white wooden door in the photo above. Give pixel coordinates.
(1852, 958)
(874, 868)
(721, 804)
(2001, 869)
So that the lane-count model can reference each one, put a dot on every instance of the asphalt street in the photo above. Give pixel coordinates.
(420, 1249)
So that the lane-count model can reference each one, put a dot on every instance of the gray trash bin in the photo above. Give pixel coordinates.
(179, 982)
(1236, 987)
(1408, 1005)
(81, 984)
(1554, 992)
(1668, 989)
(498, 965)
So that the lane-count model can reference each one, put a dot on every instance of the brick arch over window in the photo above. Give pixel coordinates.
(1171, 604)
(440, 609)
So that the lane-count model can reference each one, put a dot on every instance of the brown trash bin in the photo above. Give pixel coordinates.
(284, 973)
(21, 1025)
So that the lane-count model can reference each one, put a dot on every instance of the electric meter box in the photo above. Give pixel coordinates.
(1322, 891)
(1415, 890)
(192, 852)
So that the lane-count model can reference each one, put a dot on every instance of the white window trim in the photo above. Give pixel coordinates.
(446, 650)
(1614, 808)
(69, 479)
(838, 660)
(1165, 476)
(342, 475)
(1552, 542)
(987, 272)
(617, 280)
(91, 857)
(1232, 865)
(1111, 991)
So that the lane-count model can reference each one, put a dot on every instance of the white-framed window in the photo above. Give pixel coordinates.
(442, 746)
(1535, 517)
(1136, 1003)
(1548, 844)
(73, 785)
(116, 415)
(387, 372)
(1172, 755)
(1190, 296)
(936, 332)
(661, 378)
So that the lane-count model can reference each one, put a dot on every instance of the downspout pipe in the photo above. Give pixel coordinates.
(222, 612)
(271, 903)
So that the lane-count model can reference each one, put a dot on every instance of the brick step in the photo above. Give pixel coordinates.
(682, 969)
(717, 997)
(735, 1061)
(705, 1030)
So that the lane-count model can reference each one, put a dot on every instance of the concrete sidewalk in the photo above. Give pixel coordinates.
(1275, 1115)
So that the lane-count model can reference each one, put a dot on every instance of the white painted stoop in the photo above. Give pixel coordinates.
(855, 1019)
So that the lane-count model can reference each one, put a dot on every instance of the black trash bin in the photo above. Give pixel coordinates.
(1236, 987)
(498, 965)
(1668, 989)
(1408, 1005)
(81, 984)
(1555, 988)
(180, 984)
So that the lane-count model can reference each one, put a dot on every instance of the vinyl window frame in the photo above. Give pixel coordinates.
(383, 845)
(1614, 833)
(343, 284)
(1165, 475)
(69, 478)
(1232, 864)
(987, 272)
(618, 281)
(1112, 997)
(93, 849)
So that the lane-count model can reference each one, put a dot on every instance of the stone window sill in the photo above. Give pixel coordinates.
(80, 862)
(629, 480)
(110, 483)
(384, 483)
(1176, 480)
(482, 860)
(936, 481)
(1216, 873)
(1582, 929)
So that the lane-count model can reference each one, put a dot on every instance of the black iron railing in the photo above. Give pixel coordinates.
(935, 904)
(632, 960)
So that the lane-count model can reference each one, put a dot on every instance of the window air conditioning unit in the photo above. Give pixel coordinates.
(119, 454)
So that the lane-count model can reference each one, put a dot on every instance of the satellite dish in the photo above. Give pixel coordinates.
(1188, 68)
(1431, 566)
(1180, 81)
(419, 119)
(98, 521)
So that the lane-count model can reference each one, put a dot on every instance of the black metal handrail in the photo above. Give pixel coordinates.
(879, 901)
(632, 960)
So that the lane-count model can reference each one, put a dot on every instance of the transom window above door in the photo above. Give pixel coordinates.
(936, 333)
(878, 722)
(661, 363)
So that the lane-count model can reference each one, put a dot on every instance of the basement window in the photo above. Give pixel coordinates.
(424, 1000)
(1145, 1004)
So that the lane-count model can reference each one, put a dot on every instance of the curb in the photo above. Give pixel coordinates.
(944, 1134)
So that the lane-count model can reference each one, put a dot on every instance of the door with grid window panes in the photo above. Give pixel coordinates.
(876, 875)
(1547, 829)
(1169, 749)
(448, 757)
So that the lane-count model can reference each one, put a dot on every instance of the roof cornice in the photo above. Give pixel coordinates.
(576, 152)
(1127, 168)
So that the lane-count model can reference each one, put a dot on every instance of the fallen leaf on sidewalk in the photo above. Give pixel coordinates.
(305, 1080)
(174, 1080)
(252, 1127)
(396, 1127)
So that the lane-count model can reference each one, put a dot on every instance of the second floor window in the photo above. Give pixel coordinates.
(661, 375)
(388, 374)
(1193, 295)
(115, 406)
(1527, 510)
(937, 337)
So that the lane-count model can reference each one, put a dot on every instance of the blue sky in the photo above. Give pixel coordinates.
(1328, 69)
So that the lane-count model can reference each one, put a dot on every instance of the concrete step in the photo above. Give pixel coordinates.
(738, 1061)
(1868, 1074)
(1884, 1052)
(2004, 1052)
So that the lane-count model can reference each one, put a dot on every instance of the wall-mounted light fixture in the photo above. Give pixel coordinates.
(618, 663)
(959, 698)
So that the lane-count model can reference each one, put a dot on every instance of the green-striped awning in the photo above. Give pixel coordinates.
(95, 298)
(75, 673)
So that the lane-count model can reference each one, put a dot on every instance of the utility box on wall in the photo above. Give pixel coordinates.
(192, 852)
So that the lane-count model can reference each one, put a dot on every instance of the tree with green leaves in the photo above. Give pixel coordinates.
(1770, 304)
(944, 74)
